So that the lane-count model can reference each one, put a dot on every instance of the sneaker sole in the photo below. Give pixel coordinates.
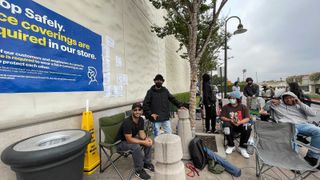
(140, 177)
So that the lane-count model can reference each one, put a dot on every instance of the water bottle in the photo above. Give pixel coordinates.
(250, 148)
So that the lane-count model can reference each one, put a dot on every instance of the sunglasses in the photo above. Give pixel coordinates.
(137, 109)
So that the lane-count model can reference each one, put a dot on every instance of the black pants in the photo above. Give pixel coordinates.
(210, 116)
(244, 131)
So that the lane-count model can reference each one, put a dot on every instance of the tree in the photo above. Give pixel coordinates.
(193, 23)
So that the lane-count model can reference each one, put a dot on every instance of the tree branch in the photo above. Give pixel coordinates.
(212, 25)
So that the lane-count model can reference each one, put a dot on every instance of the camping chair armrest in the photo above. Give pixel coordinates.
(110, 145)
(314, 149)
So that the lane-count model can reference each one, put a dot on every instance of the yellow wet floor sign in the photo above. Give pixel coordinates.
(91, 159)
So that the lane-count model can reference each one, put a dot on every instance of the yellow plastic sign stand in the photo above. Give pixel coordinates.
(91, 159)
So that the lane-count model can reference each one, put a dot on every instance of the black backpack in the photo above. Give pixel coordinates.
(198, 156)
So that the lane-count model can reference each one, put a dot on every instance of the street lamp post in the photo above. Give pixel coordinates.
(238, 31)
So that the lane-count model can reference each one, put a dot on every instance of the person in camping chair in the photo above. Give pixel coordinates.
(133, 136)
(235, 117)
(290, 109)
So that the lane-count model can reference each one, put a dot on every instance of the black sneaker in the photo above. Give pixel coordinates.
(142, 174)
(150, 167)
(312, 161)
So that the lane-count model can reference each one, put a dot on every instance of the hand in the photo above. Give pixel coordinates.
(298, 101)
(155, 116)
(147, 142)
(236, 123)
(183, 108)
(263, 112)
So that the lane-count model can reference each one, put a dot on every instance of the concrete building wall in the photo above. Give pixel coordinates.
(143, 54)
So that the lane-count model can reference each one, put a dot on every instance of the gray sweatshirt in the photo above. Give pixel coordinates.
(295, 114)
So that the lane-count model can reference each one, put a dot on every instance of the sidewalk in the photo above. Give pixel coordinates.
(247, 167)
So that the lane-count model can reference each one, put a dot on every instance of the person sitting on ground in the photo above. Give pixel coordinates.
(290, 109)
(235, 116)
(251, 91)
(133, 136)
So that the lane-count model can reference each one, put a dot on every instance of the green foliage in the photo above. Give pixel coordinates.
(315, 76)
(178, 23)
(313, 95)
(182, 97)
(217, 80)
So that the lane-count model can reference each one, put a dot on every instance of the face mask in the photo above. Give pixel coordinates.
(232, 101)
(158, 84)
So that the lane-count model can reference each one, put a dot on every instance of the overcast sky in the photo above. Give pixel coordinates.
(283, 38)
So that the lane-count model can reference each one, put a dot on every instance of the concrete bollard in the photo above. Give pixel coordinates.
(168, 154)
(185, 133)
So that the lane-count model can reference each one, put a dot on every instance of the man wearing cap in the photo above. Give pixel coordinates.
(291, 110)
(251, 91)
(133, 136)
(235, 117)
(156, 105)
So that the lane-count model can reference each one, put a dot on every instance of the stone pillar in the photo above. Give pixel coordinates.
(168, 154)
(184, 131)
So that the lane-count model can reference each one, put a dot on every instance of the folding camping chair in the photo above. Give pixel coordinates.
(109, 127)
(274, 148)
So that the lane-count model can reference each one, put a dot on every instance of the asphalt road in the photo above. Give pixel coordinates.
(317, 108)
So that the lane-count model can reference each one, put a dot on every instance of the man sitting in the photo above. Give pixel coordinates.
(133, 136)
(291, 109)
(235, 116)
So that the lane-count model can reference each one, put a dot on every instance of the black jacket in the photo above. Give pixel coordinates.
(157, 102)
(209, 97)
(251, 90)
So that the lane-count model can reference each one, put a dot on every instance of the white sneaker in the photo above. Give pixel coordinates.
(229, 149)
(243, 152)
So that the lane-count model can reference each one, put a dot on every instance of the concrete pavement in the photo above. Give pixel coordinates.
(247, 167)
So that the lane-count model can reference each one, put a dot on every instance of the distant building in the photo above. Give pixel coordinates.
(275, 84)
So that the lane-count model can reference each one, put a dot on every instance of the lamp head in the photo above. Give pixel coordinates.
(240, 30)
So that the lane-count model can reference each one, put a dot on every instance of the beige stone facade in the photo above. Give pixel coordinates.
(143, 54)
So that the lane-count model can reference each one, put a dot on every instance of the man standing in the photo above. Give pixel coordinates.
(290, 109)
(209, 101)
(156, 105)
(133, 136)
(251, 91)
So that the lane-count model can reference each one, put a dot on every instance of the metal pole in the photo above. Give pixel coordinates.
(225, 60)
(225, 54)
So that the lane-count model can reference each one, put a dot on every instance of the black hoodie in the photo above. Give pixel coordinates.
(157, 102)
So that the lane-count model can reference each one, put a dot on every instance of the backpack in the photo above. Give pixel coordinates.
(198, 156)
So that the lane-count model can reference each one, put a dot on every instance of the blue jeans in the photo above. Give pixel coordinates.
(166, 125)
(312, 131)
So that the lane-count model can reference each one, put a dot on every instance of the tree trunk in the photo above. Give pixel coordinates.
(193, 61)
(193, 91)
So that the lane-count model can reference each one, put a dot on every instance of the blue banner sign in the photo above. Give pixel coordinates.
(42, 51)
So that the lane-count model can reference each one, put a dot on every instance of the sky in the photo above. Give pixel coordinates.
(283, 38)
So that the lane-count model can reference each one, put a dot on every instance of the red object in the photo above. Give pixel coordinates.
(193, 170)
(239, 115)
